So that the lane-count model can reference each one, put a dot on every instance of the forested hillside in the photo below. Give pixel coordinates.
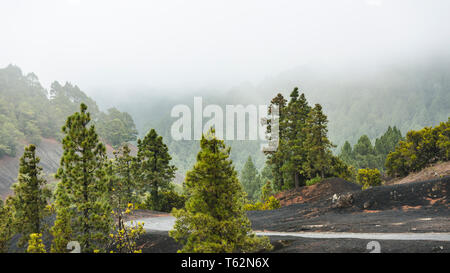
(29, 112)
(363, 103)
(364, 154)
(357, 100)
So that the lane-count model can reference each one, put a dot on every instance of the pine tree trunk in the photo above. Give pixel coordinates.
(281, 176)
(86, 200)
(155, 195)
(36, 196)
(296, 180)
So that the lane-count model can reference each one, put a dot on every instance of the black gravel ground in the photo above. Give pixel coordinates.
(413, 207)
(308, 245)
(160, 242)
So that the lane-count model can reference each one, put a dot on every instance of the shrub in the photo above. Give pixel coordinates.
(419, 149)
(313, 181)
(266, 191)
(35, 244)
(167, 201)
(123, 238)
(369, 178)
(270, 204)
(256, 206)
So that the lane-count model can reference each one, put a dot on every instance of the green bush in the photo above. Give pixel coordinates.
(313, 181)
(270, 204)
(419, 149)
(266, 191)
(255, 206)
(368, 178)
(167, 201)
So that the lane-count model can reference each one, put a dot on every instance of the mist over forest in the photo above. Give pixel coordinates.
(368, 73)
(357, 100)
(352, 95)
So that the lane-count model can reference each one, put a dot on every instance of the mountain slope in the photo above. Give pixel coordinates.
(49, 151)
(28, 112)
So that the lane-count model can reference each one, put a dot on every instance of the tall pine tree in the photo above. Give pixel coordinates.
(30, 196)
(317, 143)
(294, 125)
(250, 179)
(154, 171)
(214, 219)
(121, 173)
(83, 213)
(347, 153)
(276, 159)
(6, 225)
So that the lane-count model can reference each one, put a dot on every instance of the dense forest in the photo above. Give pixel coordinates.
(357, 101)
(29, 112)
(365, 155)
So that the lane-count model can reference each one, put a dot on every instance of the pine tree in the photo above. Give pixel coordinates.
(294, 125)
(317, 143)
(83, 214)
(267, 174)
(363, 146)
(266, 191)
(30, 196)
(122, 176)
(249, 179)
(122, 188)
(346, 153)
(154, 171)
(6, 225)
(387, 142)
(275, 159)
(214, 219)
(364, 153)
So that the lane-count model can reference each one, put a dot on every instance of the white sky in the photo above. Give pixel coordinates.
(198, 43)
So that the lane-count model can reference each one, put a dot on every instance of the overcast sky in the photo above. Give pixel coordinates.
(198, 43)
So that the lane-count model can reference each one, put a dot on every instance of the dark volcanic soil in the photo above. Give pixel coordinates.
(160, 242)
(412, 207)
(309, 245)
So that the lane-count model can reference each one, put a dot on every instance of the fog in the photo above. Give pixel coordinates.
(179, 46)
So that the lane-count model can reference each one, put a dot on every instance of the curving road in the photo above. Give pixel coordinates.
(166, 223)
